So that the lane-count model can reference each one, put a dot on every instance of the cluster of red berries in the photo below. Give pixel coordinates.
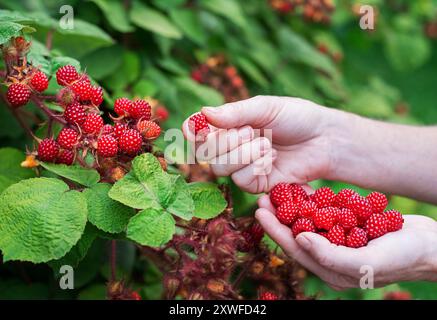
(85, 128)
(267, 295)
(218, 74)
(318, 11)
(19, 91)
(346, 218)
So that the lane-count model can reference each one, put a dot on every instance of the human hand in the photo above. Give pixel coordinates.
(300, 146)
(404, 255)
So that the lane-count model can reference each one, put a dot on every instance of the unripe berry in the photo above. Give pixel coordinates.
(149, 129)
(18, 94)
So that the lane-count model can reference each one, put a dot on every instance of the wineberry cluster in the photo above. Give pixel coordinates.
(317, 11)
(346, 218)
(220, 75)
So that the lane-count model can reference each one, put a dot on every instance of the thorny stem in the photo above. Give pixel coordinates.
(113, 260)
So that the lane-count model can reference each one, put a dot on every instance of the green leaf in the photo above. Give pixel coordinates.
(41, 220)
(207, 95)
(151, 227)
(252, 71)
(103, 212)
(145, 88)
(179, 202)
(188, 21)
(154, 21)
(10, 168)
(58, 62)
(78, 252)
(83, 176)
(208, 200)
(101, 63)
(10, 29)
(115, 13)
(229, 9)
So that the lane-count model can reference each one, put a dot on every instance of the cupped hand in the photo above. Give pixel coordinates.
(404, 255)
(299, 146)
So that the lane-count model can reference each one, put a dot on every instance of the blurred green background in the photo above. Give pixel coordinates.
(153, 48)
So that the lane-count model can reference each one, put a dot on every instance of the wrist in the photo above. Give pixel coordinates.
(430, 256)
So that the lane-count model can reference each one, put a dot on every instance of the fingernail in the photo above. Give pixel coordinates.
(303, 242)
(245, 133)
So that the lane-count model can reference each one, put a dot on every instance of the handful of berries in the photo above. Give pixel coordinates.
(346, 219)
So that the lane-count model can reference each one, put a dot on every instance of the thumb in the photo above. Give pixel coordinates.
(253, 112)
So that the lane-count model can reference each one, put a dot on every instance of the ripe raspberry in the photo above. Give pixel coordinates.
(308, 209)
(356, 238)
(93, 123)
(394, 220)
(96, 95)
(360, 207)
(198, 124)
(281, 193)
(140, 109)
(82, 89)
(18, 94)
(347, 219)
(161, 113)
(107, 146)
(130, 142)
(376, 226)
(302, 225)
(107, 129)
(287, 213)
(135, 296)
(149, 129)
(378, 201)
(298, 191)
(65, 157)
(268, 296)
(119, 128)
(122, 106)
(48, 150)
(67, 138)
(75, 114)
(66, 75)
(39, 81)
(398, 295)
(323, 197)
(325, 218)
(337, 235)
(342, 198)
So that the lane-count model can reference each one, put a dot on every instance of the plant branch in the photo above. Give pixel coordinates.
(47, 111)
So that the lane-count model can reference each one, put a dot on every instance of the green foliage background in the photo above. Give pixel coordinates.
(149, 49)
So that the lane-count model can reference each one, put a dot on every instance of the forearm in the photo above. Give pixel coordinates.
(388, 157)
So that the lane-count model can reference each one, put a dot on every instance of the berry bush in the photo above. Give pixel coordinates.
(83, 111)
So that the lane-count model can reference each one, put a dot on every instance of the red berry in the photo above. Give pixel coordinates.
(65, 157)
(303, 225)
(360, 207)
(196, 75)
(149, 129)
(308, 209)
(398, 295)
(82, 89)
(122, 106)
(96, 95)
(376, 226)
(287, 213)
(394, 220)
(119, 128)
(342, 198)
(378, 201)
(356, 238)
(67, 138)
(268, 296)
(323, 197)
(347, 219)
(107, 129)
(140, 109)
(39, 81)
(130, 142)
(66, 75)
(18, 94)
(161, 113)
(198, 124)
(48, 150)
(75, 114)
(298, 192)
(107, 146)
(93, 123)
(337, 235)
(281, 193)
(325, 218)
(135, 296)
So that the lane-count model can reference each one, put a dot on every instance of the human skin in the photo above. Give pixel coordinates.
(312, 142)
